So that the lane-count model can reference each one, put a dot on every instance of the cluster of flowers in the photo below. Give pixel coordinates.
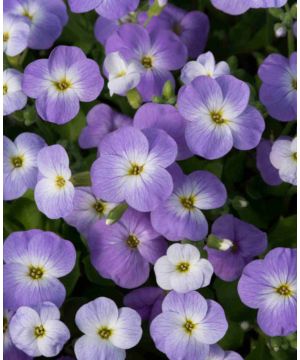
(136, 170)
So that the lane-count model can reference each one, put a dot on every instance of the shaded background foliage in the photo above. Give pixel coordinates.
(243, 41)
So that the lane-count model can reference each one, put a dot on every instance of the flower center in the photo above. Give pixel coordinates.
(5, 36)
(121, 74)
(5, 89)
(5, 324)
(99, 207)
(294, 84)
(147, 62)
(27, 14)
(132, 241)
(177, 28)
(17, 161)
(105, 333)
(217, 118)
(294, 156)
(187, 202)
(136, 169)
(60, 182)
(189, 326)
(35, 272)
(39, 331)
(183, 267)
(62, 85)
(284, 290)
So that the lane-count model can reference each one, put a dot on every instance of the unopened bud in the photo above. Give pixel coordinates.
(280, 30)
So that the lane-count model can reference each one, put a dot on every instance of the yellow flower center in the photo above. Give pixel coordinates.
(284, 290)
(294, 84)
(136, 169)
(5, 324)
(5, 89)
(60, 182)
(36, 272)
(147, 62)
(105, 333)
(217, 118)
(5, 36)
(121, 74)
(187, 202)
(132, 241)
(62, 85)
(294, 156)
(17, 161)
(189, 326)
(99, 207)
(39, 331)
(183, 267)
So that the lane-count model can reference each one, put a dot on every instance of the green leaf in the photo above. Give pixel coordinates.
(27, 213)
(234, 336)
(71, 279)
(285, 232)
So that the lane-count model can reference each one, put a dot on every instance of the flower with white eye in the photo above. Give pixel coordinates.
(15, 34)
(182, 269)
(122, 75)
(13, 97)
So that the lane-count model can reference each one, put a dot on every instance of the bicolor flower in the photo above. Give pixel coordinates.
(146, 301)
(219, 116)
(110, 9)
(131, 167)
(124, 251)
(182, 269)
(108, 331)
(167, 118)
(54, 192)
(192, 27)
(237, 7)
(101, 120)
(180, 216)
(278, 91)
(87, 209)
(38, 331)
(13, 97)
(269, 285)
(244, 242)
(187, 326)
(15, 34)
(217, 353)
(10, 352)
(157, 52)
(46, 19)
(34, 260)
(20, 164)
(267, 171)
(122, 75)
(59, 83)
(283, 157)
(205, 65)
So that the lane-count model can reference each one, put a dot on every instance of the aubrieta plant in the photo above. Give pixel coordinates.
(150, 173)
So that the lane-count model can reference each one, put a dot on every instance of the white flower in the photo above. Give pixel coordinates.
(182, 269)
(283, 157)
(204, 66)
(15, 34)
(122, 76)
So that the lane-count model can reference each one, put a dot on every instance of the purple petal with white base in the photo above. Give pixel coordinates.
(237, 7)
(15, 34)
(13, 97)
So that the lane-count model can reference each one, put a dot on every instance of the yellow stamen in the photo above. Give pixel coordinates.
(36, 272)
(132, 241)
(105, 333)
(60, 181)
(17, 161)
(39, 331)
(183, 267)
(147, 62)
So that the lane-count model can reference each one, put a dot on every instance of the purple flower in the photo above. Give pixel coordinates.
(39, 332)
(219, 116)
(182, 270)
(101, 120)
(131, 167)
(278, 91)
(246, 242)
(54, 192)
(10, 352)
(167, 118)
(15, 34)
(217, 353)
(237, 7)
(192, 27)
(45, 18)
(110, 9)
(108, 331)
(187, 326)
(205, 65)
(283, 157)
(13, 97)
(122, 251)
(87, 210)
(269, 285)
(34, 260)
(20, 164)
(180, 216)
(267, 171)
(60, 82)
(157, 52)
(146, 301)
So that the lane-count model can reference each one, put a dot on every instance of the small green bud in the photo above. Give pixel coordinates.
(116, 213)
(134, 98)
(168, 91)
(81, 179)
(220, 244)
